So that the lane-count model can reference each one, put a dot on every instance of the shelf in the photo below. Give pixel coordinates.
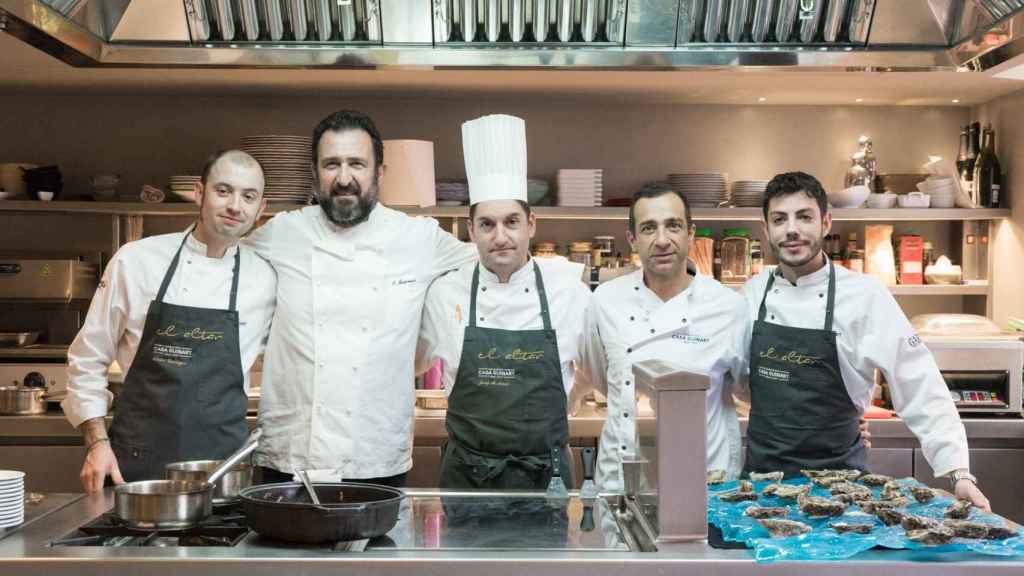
(542, 212)
(923, 290)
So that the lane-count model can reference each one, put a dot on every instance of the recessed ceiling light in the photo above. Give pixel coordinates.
(860, 99)
(762, 99)
(956, 100)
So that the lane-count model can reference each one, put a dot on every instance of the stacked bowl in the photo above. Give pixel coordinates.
(12, 498)
(942, 191)
(43, 183)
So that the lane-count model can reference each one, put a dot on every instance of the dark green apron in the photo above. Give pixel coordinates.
(507, 411)
(184, 396)
(801, 415)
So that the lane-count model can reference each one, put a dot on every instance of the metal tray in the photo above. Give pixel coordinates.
(18, 339)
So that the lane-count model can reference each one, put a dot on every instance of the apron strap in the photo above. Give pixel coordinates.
(762, 311)
(234, 278)
(541, 295)
(831, 301)
(173, 266)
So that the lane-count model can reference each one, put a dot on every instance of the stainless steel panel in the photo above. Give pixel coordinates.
(761, 20)
(322, 18)
(297, 19)
(689, 16)
(785, 19)
(998, 472)
(811, 14)
(860, 20)
(564, 20)
(47, 279)
(895, 462)
(198, 20)
(713, 13)
(906, 23)
(739, 15)
(250, 19)
(834, 17)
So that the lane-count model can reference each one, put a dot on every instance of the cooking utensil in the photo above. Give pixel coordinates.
(860, 20)
(786, 19)
(686, 29)
(233, 481)
(556, 487)
(565, 19)
(224, 12)
(284, 511)
(834, 19)
(275, 19)
(309, 487)
(762, 20)
(18, 339)
(714, 10)
(739, 11)
(810, 18)
(174, 504)
(589, 490)
(22, 400)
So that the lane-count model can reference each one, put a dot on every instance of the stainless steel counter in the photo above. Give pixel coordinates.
(29, 549)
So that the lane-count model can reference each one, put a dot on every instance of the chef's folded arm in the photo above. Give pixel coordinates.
(919, 393)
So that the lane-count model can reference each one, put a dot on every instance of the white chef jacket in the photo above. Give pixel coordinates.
(872, 333)
(337, 388)
(510, 306)
(702, 329)
(117, 315)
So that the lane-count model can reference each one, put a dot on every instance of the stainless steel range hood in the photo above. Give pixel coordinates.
(851, 35)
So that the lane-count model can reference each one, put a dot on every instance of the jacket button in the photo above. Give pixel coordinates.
(652, 330)
(625, 414)
(624, 447)
(773, 316)
(484, 289)
(632, 318)
(527, 290)
(637, 288)
(821, 295)
(481, 318)
(627, 382)
(629, 350)
(684, 320)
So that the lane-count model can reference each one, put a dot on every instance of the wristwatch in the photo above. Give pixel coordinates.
(958, 475)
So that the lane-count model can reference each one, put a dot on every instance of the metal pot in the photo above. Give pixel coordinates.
(174, 504)
(225, 491)
(22, 400)
(286, 512)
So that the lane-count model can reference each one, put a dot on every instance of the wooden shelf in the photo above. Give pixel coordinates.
(543, 212)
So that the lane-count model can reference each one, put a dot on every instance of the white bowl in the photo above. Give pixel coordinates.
(885, 200)
(943, 202)
(914, 200)
(45, 196)
(850, 197)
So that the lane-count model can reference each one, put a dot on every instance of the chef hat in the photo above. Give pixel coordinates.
(495, 150)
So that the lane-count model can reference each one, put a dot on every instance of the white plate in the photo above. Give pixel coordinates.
(8, 475)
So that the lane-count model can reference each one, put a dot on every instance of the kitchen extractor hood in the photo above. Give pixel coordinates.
(897, 35)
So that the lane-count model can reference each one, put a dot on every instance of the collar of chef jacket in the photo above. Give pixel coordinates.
(344, 242)
(819, 276)
(524, 274)
(193, 244)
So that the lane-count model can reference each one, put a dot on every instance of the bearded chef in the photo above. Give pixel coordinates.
(666, 312)
(507, 328)
(820, 331)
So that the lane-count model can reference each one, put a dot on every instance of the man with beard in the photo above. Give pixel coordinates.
(819, 333)
(664, 312)
(185, 316)
(337, 393)
(508, 329)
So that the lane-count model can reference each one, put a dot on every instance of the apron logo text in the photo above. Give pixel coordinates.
(193, 334)
(790, 357)
(517, 355)
(773, 374)
(690, 338)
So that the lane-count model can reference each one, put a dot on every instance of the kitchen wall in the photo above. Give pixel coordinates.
(1008, 237)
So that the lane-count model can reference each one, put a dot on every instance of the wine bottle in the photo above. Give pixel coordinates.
(961, 158)
(986, 172)
(972, 157)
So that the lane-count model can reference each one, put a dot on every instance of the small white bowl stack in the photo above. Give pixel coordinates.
(942, 191)
(12, 498)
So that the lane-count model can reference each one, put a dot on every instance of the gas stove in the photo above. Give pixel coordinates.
(226, 527)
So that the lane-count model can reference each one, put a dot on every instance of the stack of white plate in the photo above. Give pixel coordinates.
(942, 191)
(748, 193)
(12, 498)
(184, 186)
(581, 187)
(701, 189)
(286, 166)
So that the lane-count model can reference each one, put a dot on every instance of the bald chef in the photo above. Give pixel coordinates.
(666, 312)
(508, 329)
(820, 331)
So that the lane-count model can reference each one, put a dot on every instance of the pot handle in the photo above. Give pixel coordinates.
(348, 509)
(227, 464)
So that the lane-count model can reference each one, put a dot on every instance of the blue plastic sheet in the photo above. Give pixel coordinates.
(824, 543)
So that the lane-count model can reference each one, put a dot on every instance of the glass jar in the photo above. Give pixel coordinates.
(856, 261)
(580, 252)
(756, 258)
(703, 251)
(736, 255)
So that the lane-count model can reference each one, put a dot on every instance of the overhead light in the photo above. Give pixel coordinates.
(762, 99)
(860, 99)
(956, 100)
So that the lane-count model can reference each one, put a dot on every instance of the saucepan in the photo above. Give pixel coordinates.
(22, 400)
(174, 504)
(225, 491)
(286, 511)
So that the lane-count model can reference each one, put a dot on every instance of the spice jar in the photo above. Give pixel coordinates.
(703, 251)
(580, 252)
(736, 255)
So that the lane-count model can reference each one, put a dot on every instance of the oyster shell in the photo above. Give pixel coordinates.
(873, 506)
(935, 536)
(1000, 533)
(818, 506)
(891, 491)
(855, 527)
(767, 476)
(959, 510)
(827, 481)
(781, 528)
(875, 479)
(746, 486)
(716, 477)
(849, 499)
(845, 474)
(966, 528)
(922, 495)
(766, 511)
(737, 496)
(914, 522)
(785, 491)
(847, 487)
(889, 516)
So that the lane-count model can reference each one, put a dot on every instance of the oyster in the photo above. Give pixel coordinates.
(889, 516)
(875, 479)
(966, 528)
(737, 496)
(767, 476)
(746, 486)
(716, 477)
(844, 474)
(891, 491)
(873, 506)
(914, 522)
(847, 487)
(818, 506)
(849, 499)
(785, 491)
(935, 536)
(827, 481)
(781, 528)
(766, 511)
(855, 527)
(1000, 533)
(959, 510)
(922, 495)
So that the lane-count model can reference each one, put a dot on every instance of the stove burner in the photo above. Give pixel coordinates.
(226, 527)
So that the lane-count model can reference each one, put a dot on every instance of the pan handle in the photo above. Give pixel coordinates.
(346, 508)
(227, 464)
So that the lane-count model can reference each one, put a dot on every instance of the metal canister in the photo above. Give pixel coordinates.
(538, 18)
(469, 20)
(580, 252)
(226, 489)
(860, 19)
(346, 18)
(322, 19)
(250, 19)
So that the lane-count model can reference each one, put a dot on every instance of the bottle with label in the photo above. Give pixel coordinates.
(973, 149)
(756, 258)
(929, 254)
(961, 157)
(987, 179)
(851, 244)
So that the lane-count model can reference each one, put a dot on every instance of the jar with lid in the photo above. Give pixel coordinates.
(736, 255)
(580, 252)
(756, 258)
(702, 253)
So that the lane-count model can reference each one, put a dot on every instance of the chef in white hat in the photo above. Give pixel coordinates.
(508, 330)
